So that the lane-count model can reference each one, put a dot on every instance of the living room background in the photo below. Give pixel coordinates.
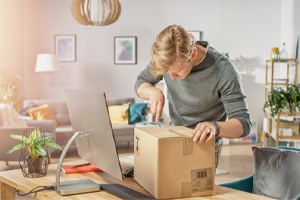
(245, 29)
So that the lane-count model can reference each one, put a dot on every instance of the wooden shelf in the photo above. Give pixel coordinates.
(295, 138)
(282, 60)
(289, 78)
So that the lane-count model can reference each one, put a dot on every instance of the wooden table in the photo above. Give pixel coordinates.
(13, 179)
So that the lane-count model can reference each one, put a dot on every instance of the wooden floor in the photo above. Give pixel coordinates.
(236, 159)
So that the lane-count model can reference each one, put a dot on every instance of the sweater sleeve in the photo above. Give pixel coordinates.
(145, 77)
(233, 97)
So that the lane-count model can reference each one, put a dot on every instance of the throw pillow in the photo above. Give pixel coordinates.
(42, 112)
(31, 104)
(118, 114)
(277, 172)
(136, 111)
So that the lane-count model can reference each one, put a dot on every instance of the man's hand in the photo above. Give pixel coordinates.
(155, 97)
(156, 103)
(204, 132)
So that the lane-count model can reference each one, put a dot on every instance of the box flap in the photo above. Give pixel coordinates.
(181, 130)
(167, 131)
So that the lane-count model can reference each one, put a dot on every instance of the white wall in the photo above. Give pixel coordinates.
(246, 29)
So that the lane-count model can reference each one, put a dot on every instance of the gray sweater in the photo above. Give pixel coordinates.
(211, 92)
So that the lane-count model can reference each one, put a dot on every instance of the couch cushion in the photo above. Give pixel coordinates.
(277, 173)
(118, 114)
(42, 112)
(57, 106)
(136, 111)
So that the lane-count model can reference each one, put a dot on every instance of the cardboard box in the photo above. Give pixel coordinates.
(168, 164)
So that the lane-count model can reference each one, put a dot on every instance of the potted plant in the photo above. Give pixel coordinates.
(34, 158)
(283, 100)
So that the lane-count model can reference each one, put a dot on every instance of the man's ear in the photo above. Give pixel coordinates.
(194, 53)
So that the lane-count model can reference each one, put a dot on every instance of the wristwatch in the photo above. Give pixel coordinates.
(217, 128)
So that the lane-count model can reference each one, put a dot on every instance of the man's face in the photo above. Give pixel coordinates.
(180, 69)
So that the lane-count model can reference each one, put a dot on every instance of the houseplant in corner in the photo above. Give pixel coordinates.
(283, 100)
(34, 158)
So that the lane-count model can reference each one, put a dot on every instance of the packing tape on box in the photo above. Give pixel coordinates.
(187, 148)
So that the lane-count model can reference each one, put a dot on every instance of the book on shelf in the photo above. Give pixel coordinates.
(70, 169)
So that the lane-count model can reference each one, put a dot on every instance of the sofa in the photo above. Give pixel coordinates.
(123, 133)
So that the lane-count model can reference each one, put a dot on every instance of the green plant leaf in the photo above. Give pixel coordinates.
(35, 143)
(16, 148)
(48, 138)
(53, 145)
(19, 137)
(31, 151)
(279, 98)
(41, 151)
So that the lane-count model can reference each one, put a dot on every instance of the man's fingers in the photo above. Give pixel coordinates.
(198, 133)
(153, 108)
(203, 133)
(158, 112)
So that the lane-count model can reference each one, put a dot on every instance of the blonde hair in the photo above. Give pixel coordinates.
(172, 43)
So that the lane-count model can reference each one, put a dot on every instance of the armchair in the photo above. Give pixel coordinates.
(247, 184)
(244, 184)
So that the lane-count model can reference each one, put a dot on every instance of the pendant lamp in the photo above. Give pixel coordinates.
(96, 12)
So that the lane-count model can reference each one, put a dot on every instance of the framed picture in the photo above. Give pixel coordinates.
(125, 50)
(65, 48)
(198, 35)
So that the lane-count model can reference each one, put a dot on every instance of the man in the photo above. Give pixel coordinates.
(204, 88)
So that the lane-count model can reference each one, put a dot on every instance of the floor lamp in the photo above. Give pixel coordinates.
(47, 63)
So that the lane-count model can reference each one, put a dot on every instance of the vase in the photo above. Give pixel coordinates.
(33, 167)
